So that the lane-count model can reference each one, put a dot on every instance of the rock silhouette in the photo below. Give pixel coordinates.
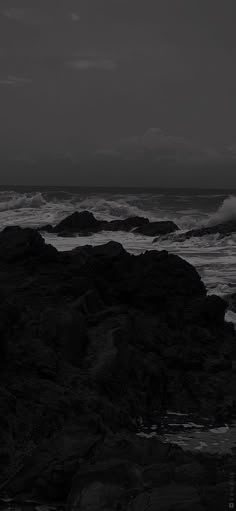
(90, 340)
(223, 229)
(85, 223)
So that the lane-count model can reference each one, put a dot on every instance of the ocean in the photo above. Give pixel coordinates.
(212, 256)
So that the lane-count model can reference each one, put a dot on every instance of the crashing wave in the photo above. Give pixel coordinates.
(106, 209)
(62, 203)
(225, 213)
(19, 201)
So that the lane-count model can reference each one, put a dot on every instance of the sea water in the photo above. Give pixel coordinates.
(214, 257)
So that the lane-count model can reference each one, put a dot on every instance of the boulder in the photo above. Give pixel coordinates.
(46, 228)
(103, 486)
(65, 329)
(157, 228)
(223, 229)
(190, 473)
(18, 244)
(85, 223)
(110, 250)
(167, 498)
(89, 254)
(78, 222)
(127, 224)
(231, 300)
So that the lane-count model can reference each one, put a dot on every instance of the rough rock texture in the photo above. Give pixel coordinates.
(231, 300)
(18, 244)
(224, 229)
(146, 476)
(157, 228)
(91, 339)
(85, 223)
(127, 224)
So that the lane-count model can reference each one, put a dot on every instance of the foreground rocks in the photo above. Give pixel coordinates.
(90, 340)
(148, 476)
(85, 223)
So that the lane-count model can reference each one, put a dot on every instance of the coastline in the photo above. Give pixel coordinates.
(103, 337)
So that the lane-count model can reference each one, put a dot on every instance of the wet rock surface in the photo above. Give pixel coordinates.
(85, 223)
(223, 229)
(90, 340)
(157, 228)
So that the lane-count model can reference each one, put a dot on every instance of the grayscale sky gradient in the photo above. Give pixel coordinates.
(114, 84)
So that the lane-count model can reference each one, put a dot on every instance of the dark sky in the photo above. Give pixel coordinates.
(90, 78)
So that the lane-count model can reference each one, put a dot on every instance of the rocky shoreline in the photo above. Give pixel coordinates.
(91, 340)
(222, 230)
(85, 223)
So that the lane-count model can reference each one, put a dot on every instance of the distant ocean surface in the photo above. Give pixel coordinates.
(214, 258)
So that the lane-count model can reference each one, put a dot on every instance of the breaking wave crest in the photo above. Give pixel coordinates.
(113, 209)
(52, 206)
(225, 213)
(20, 201)
(213, 256)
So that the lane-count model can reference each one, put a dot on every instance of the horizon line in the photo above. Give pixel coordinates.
(119, 187)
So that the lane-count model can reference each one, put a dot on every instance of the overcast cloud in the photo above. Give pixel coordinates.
(90, 77)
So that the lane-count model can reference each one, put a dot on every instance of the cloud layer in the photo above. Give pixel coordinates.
(96, 63)
(15, 81)
(156, 146)
(78, 76)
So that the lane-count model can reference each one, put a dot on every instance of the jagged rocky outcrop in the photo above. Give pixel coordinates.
(223, 229)
(85, 223)
(91, 339)
(157, 228)
(139, 475)
(231, 300)
(78, 222)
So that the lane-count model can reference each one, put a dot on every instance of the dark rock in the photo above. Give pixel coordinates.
(224, 229)
(93, 339)
(46, 228)
(17, 244)
(167, 498)
(190, 473)
(91, 255)
(158, 474)
(50, 467)
(104, 486)
(231, 301)
(157, 228)
(146, 281)
(78, 222)
(208, 310)
(143, 452)
(110, 250)
(127, 224)
(66, 330)
(85, 223)
(89, 303)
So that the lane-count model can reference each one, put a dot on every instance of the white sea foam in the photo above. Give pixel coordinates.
(21, 201)
(230, 317)
(225, 213)
(112, 209)
(107, 207)
(213, 257)
(103, 207)
(220, 431)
